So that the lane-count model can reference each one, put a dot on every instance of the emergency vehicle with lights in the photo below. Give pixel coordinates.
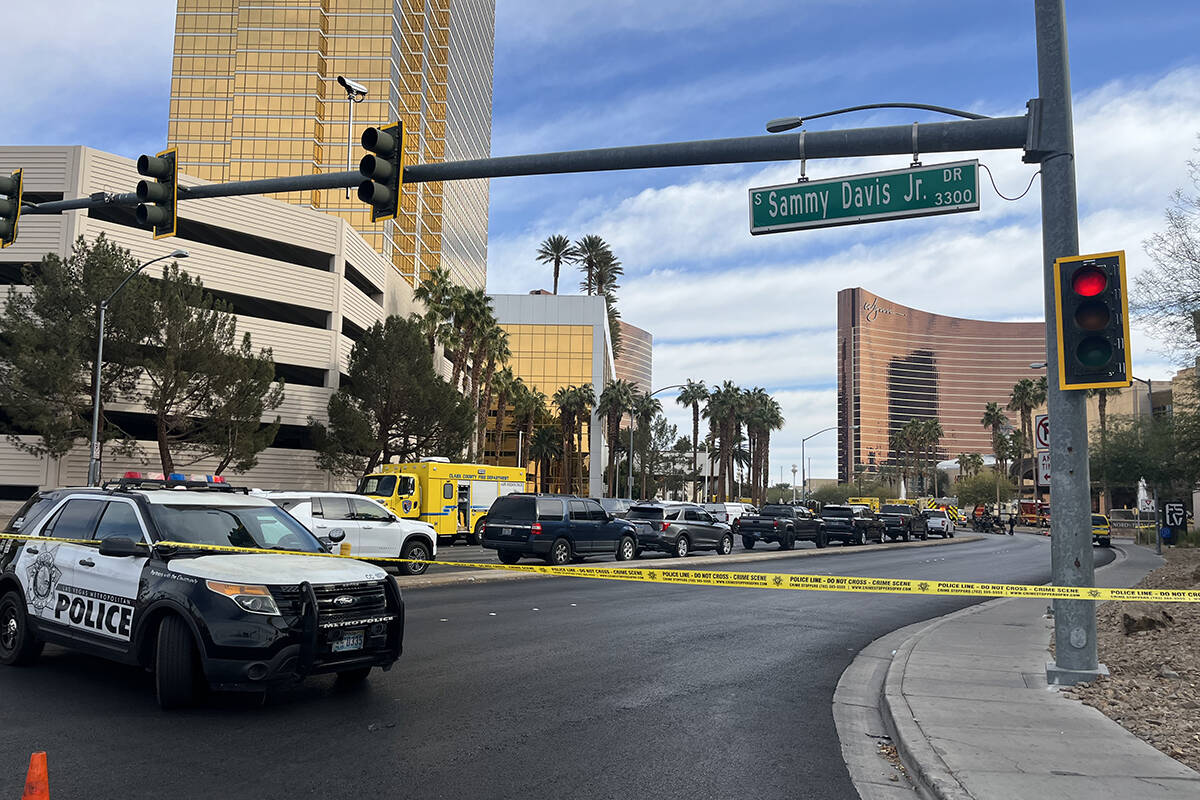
(144, 581)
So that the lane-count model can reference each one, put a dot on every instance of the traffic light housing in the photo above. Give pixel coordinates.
(1092, 318)
(160, 196)
(10, 207)
(383, 169)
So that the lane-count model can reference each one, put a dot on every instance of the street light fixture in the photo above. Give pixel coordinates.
(633, 422)
(793, 484)
(94, 461)
(803, 475)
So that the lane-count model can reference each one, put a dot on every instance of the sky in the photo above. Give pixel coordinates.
(723, 305)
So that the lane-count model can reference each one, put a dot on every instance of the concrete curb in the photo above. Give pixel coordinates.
(469, 576)
(930, 775)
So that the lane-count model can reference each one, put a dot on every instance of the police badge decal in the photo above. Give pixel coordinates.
(43, 577)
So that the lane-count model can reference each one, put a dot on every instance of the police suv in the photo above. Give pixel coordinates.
(195, 616)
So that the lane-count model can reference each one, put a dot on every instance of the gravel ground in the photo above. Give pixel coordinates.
(1154, 687)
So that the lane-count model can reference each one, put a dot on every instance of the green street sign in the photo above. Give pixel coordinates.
(895, 194)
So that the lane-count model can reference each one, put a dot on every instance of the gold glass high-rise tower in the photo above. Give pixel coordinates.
(254, 94)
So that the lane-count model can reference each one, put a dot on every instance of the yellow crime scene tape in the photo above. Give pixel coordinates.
(741, 580)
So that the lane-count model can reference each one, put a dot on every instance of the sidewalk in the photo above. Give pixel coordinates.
(967, 703)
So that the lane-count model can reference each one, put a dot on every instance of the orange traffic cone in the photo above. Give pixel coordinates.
(37, 783)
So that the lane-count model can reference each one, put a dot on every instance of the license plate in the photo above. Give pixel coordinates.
(350, 640)
(506, 531)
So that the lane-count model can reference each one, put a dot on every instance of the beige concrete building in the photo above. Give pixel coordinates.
(254, 94)
(301, 282)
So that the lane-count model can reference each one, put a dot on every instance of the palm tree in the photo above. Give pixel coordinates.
(994, 418)
(555, 250)
(770, 419)
(930, 434)
(587, 254)
(529, 408)
(964, 466)
(493, 350)
(436, 292)
(645, 409)
(584, 399)
(615, 402)
(724, 407)
(472, 313)
(1024, 399)
(976, 463)
(694, 393)
(564, 399)
(604, 279)
(505, 385)
(544, 447)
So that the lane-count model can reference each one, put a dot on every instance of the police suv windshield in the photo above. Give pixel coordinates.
(261, 527)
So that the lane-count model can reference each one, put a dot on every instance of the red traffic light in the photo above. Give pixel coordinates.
(1089, 281)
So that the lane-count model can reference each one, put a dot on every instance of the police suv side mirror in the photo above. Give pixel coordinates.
(336, 535)
(118, 546)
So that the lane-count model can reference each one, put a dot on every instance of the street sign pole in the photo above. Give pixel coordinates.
(1071, 559)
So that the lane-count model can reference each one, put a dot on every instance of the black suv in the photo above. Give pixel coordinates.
(851, 524)
(558, 528)
(679, 528)
(194, 616)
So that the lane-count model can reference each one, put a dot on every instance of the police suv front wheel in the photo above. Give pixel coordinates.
(18, 645)
(176, 669)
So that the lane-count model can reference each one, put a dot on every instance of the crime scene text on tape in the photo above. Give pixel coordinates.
(739, 580)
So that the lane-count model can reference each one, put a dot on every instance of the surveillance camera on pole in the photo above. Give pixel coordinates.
(355, 93)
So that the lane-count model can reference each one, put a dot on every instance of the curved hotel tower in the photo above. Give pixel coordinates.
(897, 363)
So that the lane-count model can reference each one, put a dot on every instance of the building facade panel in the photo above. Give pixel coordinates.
(897, 363)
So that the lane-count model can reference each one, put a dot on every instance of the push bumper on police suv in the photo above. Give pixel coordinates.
(318, 630)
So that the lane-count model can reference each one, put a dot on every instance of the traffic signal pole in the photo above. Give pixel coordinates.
(1071, 562)
(993, 133)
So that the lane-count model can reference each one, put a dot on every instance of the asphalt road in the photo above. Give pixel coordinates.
(545, 688)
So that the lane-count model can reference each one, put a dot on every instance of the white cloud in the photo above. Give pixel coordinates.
(83, 71)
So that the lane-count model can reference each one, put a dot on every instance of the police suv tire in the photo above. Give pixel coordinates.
(822, 539)
(626, 549)
(18, 646)
(417, 550)
(748, 542)
(860, 537)
(508, 556)
(175, 673)
(353, 677)
(786, 543)
(906, 536)
(477, 536)
(725, 546)
(560, 553)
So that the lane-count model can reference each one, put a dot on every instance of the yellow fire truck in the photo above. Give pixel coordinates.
(435, 491)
